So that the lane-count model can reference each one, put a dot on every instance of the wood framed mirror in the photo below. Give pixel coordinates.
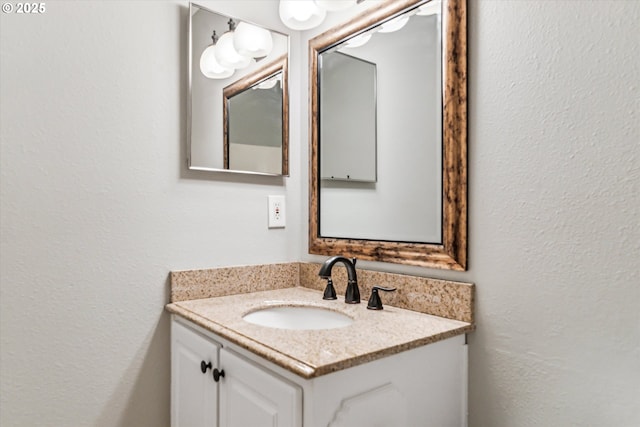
(414, 213)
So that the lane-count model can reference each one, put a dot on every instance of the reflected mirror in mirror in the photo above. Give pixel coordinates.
(348, 126)
(414, 211)
(258, 100)
(228, 61)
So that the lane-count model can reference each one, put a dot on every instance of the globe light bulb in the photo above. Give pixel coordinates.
(301, 14)
(210, 67)
(227, 55)
(252, 41)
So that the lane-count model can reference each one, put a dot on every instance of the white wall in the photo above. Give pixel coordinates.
(554, 149)
(554, 202)
(97, 208)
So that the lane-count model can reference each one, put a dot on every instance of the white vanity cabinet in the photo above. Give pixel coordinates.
(244, 394)
(424, 386)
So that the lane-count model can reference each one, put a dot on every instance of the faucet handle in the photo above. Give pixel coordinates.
(375, 303)
(329, 291)
(353, 261)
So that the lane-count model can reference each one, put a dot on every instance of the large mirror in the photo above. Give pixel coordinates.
(414, 211)
(238, 103)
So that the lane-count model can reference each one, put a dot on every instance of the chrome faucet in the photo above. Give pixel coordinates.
(352, 295)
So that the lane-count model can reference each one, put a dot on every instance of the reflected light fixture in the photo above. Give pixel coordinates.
(394, 24)
(334, 5)
(358, 40)
(432, 8)
(226, 54)
(252, 41)
(301, 14)
(209, 65)
(267, 84)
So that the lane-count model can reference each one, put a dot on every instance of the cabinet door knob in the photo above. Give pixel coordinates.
(217, 374)
(204, 366)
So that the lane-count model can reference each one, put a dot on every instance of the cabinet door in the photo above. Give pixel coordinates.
(251, 396)
(194, 394)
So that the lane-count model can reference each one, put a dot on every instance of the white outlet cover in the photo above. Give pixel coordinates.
(277, 212)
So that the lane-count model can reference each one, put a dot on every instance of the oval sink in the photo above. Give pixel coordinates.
(298, 317)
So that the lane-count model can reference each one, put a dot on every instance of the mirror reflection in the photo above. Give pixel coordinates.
(404, 202)
(230, 54)
(253, 121)
(348, 111)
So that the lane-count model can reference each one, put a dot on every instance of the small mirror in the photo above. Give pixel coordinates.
(238, 104)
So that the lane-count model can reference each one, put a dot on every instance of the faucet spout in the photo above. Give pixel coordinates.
(352, 295)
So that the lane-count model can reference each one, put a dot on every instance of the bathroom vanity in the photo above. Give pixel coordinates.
(392, 367)
(405, 365)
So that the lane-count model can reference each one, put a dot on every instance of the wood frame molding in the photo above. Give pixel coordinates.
(280, 64)
(452, 253)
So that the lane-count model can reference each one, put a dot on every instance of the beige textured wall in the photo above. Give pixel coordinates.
(97, 208)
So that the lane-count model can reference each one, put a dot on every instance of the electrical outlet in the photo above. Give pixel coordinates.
(277, 214)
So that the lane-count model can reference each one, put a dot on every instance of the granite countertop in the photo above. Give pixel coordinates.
(312, 353)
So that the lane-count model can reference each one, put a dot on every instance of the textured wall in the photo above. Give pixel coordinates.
(97, 208)
(554, 208)
(554, 202)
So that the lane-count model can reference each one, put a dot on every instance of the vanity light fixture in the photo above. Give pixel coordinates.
(252, 41)
(301, 14)
(307, 14)
(226, 54)
(395, 24)
(209, 65)
(235, 49)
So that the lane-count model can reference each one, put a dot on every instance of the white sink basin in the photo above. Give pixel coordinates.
(298, 317)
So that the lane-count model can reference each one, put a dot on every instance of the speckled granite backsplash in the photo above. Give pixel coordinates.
(217, 282)
(452, 300)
